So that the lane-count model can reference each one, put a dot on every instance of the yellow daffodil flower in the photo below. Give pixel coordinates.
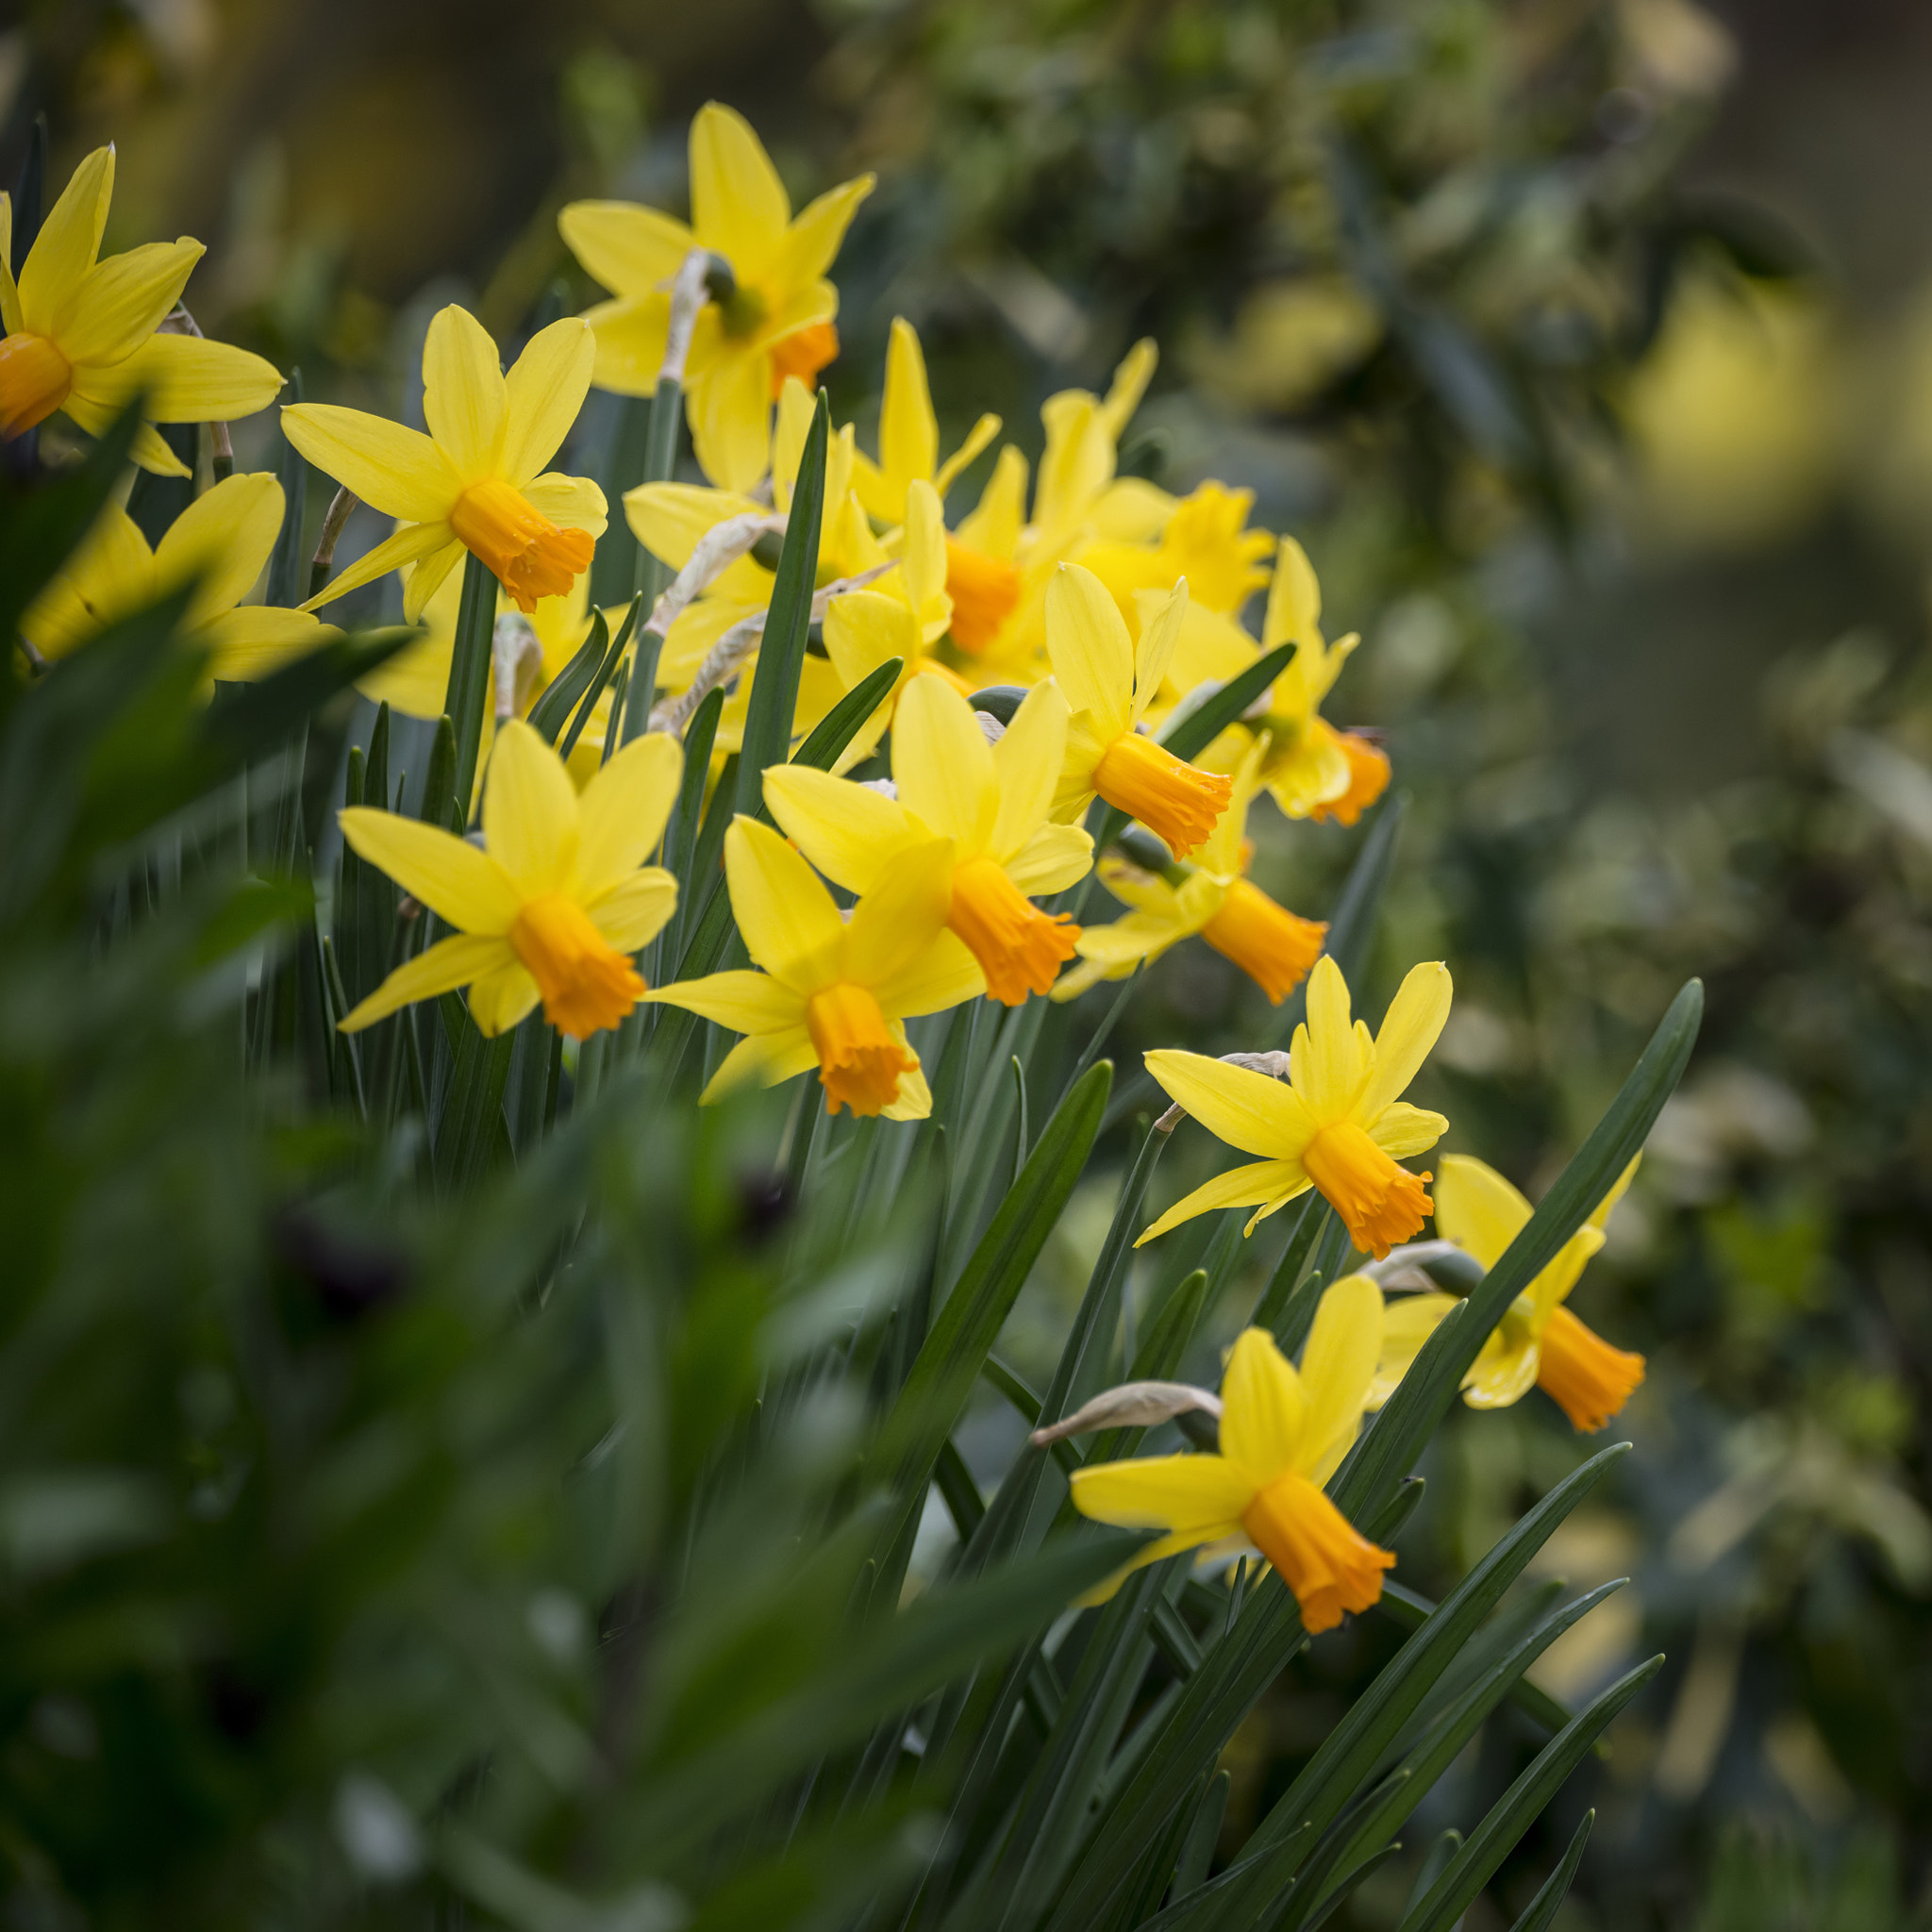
(1313, 770)
(554, 903)
(777, 322)
(220, 543)
(1204, 539)
(835, 992)
(1271, 944)
(1539, 1342)
(1337, 1125)
(473, 483)
(1108, 682)
(989, 803)
(80, 333)
(910, 434)
(1282, 1434)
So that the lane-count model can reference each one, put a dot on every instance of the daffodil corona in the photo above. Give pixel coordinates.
(988, 802)
(1539, 1343)
(834, 993)
(473, 483)
(81, 334)
(1283, 1433)
(1337, 1124)
(554, 903)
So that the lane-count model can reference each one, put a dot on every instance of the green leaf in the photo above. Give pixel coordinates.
(781, 650)
(1201, 727)
(1514, 1812)
(472, 670)
(605, 670)
(839, 725)
(1543, 1907)
(551, 711)
(471, 1134)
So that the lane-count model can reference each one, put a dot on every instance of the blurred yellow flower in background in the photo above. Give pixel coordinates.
(777, 319)
(81, 332)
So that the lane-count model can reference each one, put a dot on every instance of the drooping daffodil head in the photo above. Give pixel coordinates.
(553, 904)
(987, 801)
(218, 544)
(833, 993)
(476, 481)
(82, 335)
(1337, 1124)
(1283, 1433)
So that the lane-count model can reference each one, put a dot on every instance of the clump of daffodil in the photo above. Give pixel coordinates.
(1108, 682)
(989, 805)
(220, 543)
(776, 322)
(81, 333)
(556, 901)
(475, 481)
(1313, 770)
(1337, 1124)
(1273, 946)
(1282, 1434)
(834, 992)
(1539, 1343)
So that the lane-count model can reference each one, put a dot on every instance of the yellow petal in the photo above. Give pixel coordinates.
(250, 642)
(669, 518)
(465, 400)
(1409, 1029)
(530, 813)
(729, 411)
(1131, 376)
(914, 1099)
(1139, 936)
(812, 240)
(122, 301)
(1326, 1060)
(993, 527)
(1054, 858)
(848, 831)
(1263, 1183)
(863, 629)
(786, 917)
(501, 998)
(621, 813)
(908, 431)
(627, 248)
(633, 912)
(1600, 1214)
(1338, 1365)
(943, 975)
(398, 471)
(1407, 1321)
(746, 1002)
(1092, 656)
(465, 886)
(1294, 600)
(1164, 1492)
(65, 248)
(446, 965)
(1263, 1410)
(10, 319)
(1154, 651)
(1551, 1287)
(632, 335)
(768, 1058)
(1476, 1208)
(223, 536)
(943, 766)
(425, 578)
(898, 919)
(1401, 1130)
(186, 379)
(544, 390)
(1506, 1371)
(573, 503)
(954, 465)
(739, 207)
(1236, 1105)
(409, 545)
(1027, 764)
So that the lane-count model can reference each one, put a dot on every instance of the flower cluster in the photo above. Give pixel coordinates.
(1049, 641)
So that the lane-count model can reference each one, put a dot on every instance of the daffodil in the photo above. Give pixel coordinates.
(1108, 682)
(988, 803)
(1273, 946)
(835, 992)
(1313, 770)
(1337, 1125)
(1205, 538)
(910, 434)
(1283, 1433)
(81, 333)
(473, 482)
(219, 544)
(556, 901)
(1539, 1342)
(777, 319)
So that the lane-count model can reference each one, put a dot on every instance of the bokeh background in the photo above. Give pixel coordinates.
(1588, 347)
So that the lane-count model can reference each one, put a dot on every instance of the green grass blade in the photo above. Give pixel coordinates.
(1556, 1887)
(839, 725)
(551, 711)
